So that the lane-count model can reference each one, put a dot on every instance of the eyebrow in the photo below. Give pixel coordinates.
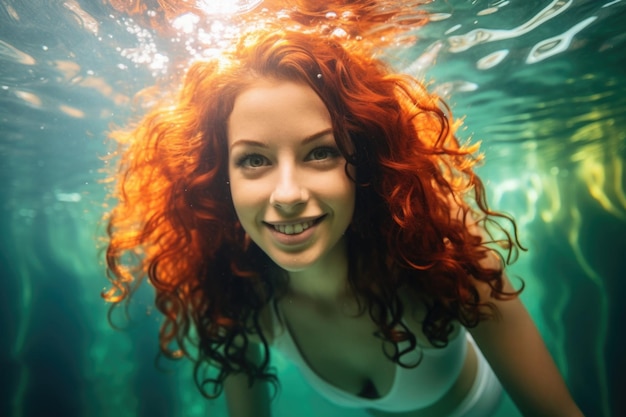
(306, 140)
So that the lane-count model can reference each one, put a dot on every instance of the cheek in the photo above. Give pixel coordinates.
(350, 210)
(346, 198)
(247, 198)
(238, 197)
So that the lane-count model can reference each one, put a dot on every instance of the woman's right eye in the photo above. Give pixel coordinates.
(252, 161)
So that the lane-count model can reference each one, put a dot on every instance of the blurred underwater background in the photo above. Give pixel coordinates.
(542, 83)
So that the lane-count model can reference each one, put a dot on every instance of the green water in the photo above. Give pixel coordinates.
(542, 84)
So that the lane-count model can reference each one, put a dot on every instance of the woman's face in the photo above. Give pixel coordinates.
(287, 177)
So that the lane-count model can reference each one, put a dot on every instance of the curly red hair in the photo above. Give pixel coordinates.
(174, 221)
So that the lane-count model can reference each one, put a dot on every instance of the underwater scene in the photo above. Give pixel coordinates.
(540, 83)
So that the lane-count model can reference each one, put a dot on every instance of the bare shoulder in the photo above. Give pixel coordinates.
(517, 353)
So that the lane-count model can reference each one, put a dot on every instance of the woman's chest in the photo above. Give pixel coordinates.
(342, 350)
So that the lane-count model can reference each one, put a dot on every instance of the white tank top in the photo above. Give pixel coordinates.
(412, 388)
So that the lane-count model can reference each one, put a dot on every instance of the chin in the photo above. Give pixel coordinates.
(294, 265)
(298, 261)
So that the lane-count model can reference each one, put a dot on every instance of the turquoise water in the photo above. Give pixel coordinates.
(542, 84)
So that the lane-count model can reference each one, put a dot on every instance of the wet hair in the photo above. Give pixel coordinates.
(416, 195)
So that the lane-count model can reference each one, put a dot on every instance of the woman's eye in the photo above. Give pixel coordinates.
(319, 154)
(252, 161)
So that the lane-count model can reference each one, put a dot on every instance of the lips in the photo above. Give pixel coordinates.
(294, 227)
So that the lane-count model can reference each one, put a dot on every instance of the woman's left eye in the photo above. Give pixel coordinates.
(321, 153)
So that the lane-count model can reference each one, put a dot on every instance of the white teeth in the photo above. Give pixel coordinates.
(293, 229)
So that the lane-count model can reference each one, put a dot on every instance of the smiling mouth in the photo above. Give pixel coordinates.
(294, 228)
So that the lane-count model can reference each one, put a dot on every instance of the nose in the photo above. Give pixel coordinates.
(289, 194)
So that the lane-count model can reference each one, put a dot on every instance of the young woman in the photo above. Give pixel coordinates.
(301, 196)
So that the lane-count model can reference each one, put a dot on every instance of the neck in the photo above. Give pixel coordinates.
(326, 281)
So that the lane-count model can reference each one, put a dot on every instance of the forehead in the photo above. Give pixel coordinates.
(271, 110)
